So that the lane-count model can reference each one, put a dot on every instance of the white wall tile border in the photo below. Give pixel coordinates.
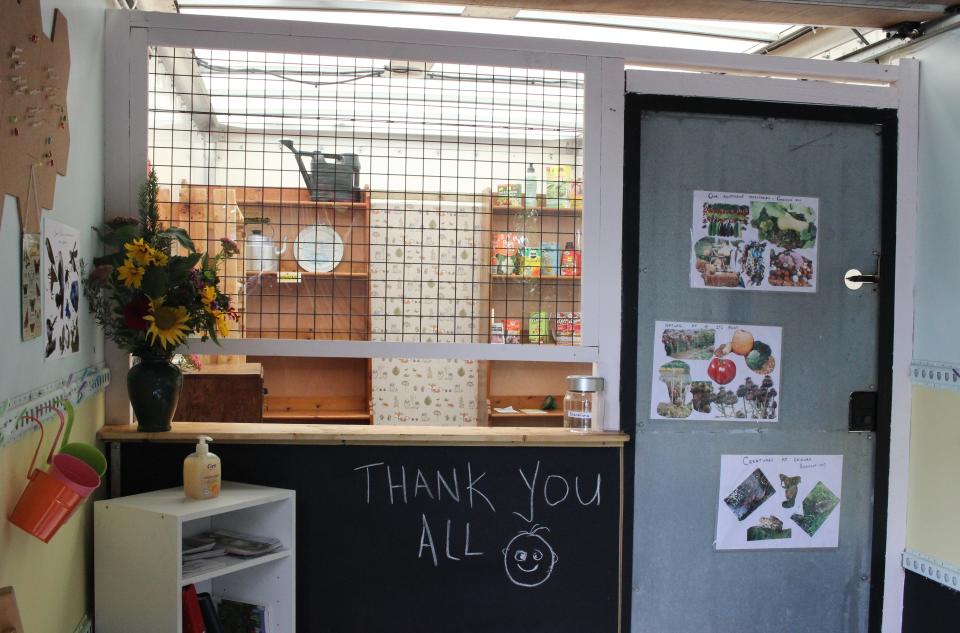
(935, 375)
(39, 402)
(936, 570)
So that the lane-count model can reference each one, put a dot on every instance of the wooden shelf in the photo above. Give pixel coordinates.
(185, 432)
(542, 210)
(306, 204)
(521, 414)
(233, 564)
(308, 275)
(570, 278)
(316, 416)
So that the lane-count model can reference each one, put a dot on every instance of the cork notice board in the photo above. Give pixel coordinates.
(33, 108)
(9, 615)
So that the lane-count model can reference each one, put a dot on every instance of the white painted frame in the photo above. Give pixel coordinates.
(129, 34)
(901, 94)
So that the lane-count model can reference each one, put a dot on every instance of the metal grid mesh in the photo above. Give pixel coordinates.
(398, 207)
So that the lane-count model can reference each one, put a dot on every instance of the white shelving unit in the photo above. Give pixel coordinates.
(138, 573)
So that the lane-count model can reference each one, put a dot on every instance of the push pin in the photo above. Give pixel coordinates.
(48, 140)
(14, 118)
(15, 131)
(34, 38)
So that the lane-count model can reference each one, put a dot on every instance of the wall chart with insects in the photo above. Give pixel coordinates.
(61, 289)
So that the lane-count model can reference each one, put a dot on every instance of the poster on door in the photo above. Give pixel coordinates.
(779, 502)
(747, 241)
(716, 371)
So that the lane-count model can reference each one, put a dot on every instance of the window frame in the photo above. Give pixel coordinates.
(131, 35)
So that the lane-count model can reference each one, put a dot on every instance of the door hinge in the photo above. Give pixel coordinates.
(863, 412)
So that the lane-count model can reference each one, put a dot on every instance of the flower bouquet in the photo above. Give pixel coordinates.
(148, 301)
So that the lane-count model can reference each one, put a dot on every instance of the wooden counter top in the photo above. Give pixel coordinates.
(244, 433)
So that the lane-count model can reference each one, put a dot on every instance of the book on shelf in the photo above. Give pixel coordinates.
(192, 618)
(208, 609)
(242, 617)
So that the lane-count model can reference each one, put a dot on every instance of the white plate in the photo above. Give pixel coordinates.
(318, 249)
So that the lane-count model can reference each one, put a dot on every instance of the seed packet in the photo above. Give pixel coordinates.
(538, 330)
(568, 329)
(558, 185)
(531, 262)
(496, 332)
(513, 330)
(509, 195)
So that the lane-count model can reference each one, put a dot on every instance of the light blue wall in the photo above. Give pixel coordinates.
(78, 203)
(936, 334)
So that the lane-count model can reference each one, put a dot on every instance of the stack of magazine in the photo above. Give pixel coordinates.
(213, 549)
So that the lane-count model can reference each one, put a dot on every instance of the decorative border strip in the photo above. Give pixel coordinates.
(935, 375)
(936, 570)
(40, 402)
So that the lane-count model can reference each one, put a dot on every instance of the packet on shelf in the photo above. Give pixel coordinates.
(568, 329)
(514, 330)
(558, 184)
(538, 329)
(510, 195)
(531, 262)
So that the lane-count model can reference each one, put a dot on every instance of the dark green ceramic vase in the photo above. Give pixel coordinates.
(154, 385)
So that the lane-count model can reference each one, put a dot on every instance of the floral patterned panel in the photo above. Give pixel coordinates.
(423, 268)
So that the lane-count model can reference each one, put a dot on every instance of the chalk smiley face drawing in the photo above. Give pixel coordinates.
(528, 558)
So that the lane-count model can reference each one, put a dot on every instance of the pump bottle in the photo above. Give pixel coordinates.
(201, 472)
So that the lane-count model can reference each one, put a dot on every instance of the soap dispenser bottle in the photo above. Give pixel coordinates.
(201, 472)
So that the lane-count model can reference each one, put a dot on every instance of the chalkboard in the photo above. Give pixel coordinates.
(432, 539)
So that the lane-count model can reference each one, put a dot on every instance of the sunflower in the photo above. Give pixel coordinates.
(167, 323)
(158, 257)
(130, 274)
(223, 327)
(208, 295)
(139, 251)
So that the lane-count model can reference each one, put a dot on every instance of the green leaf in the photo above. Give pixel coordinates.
(179, 266)
(155, 282)
(176, 233)
(118, 237)
(114, 259)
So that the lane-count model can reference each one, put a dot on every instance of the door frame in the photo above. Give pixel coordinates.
(895, 107)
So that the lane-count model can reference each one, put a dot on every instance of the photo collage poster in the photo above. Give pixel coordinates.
(745, 241)
(779, 502)
(61, 289)
(716, 371)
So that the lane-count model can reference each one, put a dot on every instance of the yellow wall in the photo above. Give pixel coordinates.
(933, 513)
(51, 580)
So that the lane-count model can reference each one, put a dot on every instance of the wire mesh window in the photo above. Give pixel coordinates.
(377, 199)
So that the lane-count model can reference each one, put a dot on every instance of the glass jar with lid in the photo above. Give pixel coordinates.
(583, 404)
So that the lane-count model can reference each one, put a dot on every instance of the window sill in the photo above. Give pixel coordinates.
(240, 433)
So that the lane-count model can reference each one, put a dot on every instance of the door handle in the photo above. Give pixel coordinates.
(854, 279)
(858, 277)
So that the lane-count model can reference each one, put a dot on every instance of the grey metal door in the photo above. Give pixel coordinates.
(681, 583)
